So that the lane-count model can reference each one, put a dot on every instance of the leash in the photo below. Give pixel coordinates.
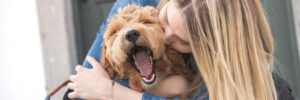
(51, 93)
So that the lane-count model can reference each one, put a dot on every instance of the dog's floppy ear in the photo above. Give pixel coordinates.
(105, 63)
(152, 10)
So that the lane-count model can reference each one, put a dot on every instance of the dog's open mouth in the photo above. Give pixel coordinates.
(142, 59)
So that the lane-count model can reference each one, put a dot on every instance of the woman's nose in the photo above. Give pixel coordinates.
(168, 38)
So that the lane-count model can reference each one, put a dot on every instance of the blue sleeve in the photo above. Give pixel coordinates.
(147, 96)
(203, 91)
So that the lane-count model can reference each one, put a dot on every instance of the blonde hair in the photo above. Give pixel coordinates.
(232, 46)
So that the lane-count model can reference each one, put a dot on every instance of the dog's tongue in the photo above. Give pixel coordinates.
(143, 63)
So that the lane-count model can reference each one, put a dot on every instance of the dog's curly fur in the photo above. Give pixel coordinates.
(116, 49)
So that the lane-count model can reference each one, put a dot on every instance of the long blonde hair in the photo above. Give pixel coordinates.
(232, 46)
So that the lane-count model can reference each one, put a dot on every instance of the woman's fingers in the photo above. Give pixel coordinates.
(93, 62)
(97, 66)
(86, 80)
(73, 78)
(73, 95)
(71, 86)
(78, 68)
(74, 87)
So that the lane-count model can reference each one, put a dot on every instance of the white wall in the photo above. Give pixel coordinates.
(21, 65)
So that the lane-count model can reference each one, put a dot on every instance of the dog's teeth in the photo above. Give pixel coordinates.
(134, 60)
(149, 80)
(151, 60)
(135, 63)
(148, 51)
(152, 77)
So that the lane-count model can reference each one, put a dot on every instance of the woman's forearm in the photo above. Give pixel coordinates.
(172, 86)
(121, 92)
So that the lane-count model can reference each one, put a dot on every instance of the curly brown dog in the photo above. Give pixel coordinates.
(134, 49)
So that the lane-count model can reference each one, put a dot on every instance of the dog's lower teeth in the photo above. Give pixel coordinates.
(149, 80)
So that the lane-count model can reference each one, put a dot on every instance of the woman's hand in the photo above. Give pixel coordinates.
(92, 83)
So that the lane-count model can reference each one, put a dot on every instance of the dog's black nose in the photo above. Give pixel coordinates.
(132, 35)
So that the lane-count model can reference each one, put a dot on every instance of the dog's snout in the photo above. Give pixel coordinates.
(132, 35)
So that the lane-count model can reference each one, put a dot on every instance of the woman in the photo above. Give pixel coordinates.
(230, 41)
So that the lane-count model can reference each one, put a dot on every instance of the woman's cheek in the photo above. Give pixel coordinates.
(181, 48)
(160, 20)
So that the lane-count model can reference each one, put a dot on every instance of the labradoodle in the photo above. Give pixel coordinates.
(134, 49)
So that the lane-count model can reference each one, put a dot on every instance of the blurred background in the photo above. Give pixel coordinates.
(42, 40)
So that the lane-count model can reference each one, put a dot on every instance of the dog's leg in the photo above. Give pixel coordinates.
(133, 86)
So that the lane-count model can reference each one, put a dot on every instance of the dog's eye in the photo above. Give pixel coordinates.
(111, 31)
(147, 22)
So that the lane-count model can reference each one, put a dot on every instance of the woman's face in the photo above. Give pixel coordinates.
(171, 21)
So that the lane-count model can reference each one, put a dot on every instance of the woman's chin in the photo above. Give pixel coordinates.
(183, 49)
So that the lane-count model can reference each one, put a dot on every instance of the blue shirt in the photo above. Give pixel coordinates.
(96, 48)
